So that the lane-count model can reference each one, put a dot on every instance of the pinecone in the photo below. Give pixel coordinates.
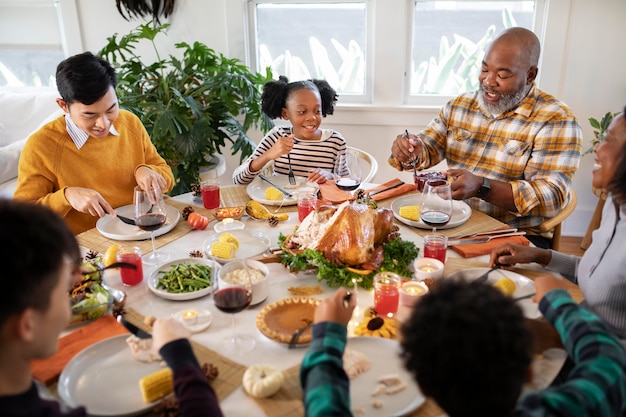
(91, 255)
(272, 221)
(211, 371)
(195, 189)
(186, 212)
(196, 254)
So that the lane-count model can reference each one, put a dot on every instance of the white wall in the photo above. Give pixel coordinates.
(583, 63)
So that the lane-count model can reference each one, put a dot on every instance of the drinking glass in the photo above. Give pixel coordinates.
(347, 173)
(150, 215)
(233, 298)
(436, 203)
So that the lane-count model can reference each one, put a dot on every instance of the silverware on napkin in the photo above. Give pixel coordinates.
(264, 178)
(457, 242)
(490, 232)
(392, 186)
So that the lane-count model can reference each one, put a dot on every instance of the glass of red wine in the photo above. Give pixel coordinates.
(150, 215)
(436, 203)
(347, 172)
(234, 297)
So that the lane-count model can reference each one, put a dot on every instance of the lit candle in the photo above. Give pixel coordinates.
(426, 268)
(411, 291)
(190, 317)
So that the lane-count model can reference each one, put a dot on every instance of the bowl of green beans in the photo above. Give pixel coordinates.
(184, 279)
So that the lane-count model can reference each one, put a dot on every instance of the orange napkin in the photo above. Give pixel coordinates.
(48, 370)
(477, 249)
(330, 191)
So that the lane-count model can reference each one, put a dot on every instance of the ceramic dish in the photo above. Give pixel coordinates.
(461, 212)
(251, 244)
(256, 189)
(524, 286)
(153, 279)
(202, 322)
(106, 367)
(114, 228)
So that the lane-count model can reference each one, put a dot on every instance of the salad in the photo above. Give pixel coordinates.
(88, 299)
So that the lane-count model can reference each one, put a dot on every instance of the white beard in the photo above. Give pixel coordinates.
(506, 102)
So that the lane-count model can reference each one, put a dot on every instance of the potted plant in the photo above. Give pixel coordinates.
(190, 106)
(599, 129)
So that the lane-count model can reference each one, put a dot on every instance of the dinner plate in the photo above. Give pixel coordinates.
(114, 228)
(105, 379)
(153, 279)
(524, 286)
(251, 243)
(461, 212)
(383, 355)
(256, 189)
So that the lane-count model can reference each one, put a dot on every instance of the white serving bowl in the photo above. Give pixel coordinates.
(260, 289)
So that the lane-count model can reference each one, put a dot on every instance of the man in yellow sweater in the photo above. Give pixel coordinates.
(87, 162)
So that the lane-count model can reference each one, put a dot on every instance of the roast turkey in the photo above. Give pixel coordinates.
(350, 234)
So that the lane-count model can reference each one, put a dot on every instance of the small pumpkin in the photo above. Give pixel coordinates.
(262, 381)
(197, 221)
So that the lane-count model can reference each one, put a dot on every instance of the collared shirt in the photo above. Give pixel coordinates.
(535, 147)
(78, 135)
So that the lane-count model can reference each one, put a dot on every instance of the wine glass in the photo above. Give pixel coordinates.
(436, 203)
(232, 298)
(150, 215)
(347, 172)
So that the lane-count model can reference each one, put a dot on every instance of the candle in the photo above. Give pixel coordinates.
(411, 291)
(190, 317)
(428, 268)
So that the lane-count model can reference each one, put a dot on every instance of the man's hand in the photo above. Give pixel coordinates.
(148, 179)
(335, 309)
(406, 147)
(464, 184)
(86, 200)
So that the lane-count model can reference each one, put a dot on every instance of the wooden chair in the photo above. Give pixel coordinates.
(368, 162)
(554, 223)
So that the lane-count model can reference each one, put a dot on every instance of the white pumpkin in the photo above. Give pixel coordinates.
(262, 381)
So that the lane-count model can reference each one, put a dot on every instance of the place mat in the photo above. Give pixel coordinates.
(394, 192)
(230, 372)
(92, 239)
(477, 249)
(48, 370)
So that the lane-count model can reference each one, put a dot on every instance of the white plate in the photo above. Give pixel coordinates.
(105, 378)
(251, 244)
(153, 279)
(461, 212)
(524, 286)
(383, 355)
(114, 228)
(256, 189)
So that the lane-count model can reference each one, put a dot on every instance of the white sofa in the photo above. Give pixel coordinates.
(22, 112)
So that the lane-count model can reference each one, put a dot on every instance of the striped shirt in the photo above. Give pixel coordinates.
(305, 155)
(596, 385)
(535, 147)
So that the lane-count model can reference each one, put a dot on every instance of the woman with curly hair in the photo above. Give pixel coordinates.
(309, 150)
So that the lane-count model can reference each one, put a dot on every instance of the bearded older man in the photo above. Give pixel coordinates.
(512, 149)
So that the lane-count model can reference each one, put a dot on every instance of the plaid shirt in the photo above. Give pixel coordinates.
(535, 147)
(596, 386)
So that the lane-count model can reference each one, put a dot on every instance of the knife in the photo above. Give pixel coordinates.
(133, 329)
(457, 242)
(264, 178)
(397, 184)
(489, 232)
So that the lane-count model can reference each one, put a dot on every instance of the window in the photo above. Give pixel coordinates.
(304, 40)
(449, 39)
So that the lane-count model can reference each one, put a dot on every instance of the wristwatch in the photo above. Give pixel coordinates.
(483, 191)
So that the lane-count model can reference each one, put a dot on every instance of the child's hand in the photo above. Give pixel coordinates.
(319, 176)
(283, 146)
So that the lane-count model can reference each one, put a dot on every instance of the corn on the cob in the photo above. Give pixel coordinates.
(259, 212)
(156, 385)
(410, 212)
(272, 193)
(506, 285)
(228, 238)
(224, 250)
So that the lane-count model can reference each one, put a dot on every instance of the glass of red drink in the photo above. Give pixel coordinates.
(132, 255)
(210, 189)
(435, 246)
(307, 202)
(386, 293)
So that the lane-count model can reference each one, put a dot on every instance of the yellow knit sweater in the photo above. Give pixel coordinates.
(50, 162)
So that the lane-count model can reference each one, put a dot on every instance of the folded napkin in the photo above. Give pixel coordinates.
(333, 194)
(476, 249)
(48, 370)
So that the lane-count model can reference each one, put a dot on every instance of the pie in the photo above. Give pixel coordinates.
(281, 319)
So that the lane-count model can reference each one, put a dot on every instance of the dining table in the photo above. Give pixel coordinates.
(182, 242)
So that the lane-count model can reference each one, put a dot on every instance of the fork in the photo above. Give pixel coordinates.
(292, 177)
(296, 335)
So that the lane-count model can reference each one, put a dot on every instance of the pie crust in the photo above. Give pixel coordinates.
(281, 319)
